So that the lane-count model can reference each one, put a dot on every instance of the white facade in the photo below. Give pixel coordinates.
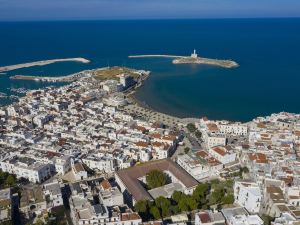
(33, 171)
(233, 129)
(198, 171)
(63, 164)
(212, 141)
(246, 220)
(52, 191)
(239, 216)
(248, 195)
(222, 154)
(111, 197)
(78, 170)
(101, 164)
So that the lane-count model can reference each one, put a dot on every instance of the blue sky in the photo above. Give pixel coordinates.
(144, 9)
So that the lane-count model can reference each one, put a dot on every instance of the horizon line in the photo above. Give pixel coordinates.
(145, 19)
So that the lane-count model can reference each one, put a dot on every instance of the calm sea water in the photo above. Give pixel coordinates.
(268, 51)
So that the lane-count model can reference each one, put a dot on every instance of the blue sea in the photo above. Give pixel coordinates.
(268, 51)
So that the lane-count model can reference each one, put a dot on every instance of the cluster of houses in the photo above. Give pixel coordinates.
(63, 133)
(47, 129)
(270, 153)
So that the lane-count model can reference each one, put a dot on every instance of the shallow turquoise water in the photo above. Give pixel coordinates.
(267, 50)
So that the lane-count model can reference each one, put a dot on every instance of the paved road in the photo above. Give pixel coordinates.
(194, 141)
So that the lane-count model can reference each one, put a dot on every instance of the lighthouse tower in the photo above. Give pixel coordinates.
(194, 55)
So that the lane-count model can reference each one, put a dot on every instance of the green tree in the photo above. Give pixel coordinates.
(182, 205)
(155, 212)
(156, 178)
(191, 127)
(177, 195)
(10, 180)
(228, 199)
(141, 206)
(217, 195)
(175, 209)
(267, 219)
(39, 222)
(191, 202)
(198, 134)
(201, 192)
(214, 183)
(245, 169)
(164, 205)
(186, 150)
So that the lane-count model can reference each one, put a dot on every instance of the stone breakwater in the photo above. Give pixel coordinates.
(67, 78)
(42, 63)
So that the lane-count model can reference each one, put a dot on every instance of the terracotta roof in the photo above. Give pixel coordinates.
(204, 217)
(155, 135)
(157, 144)
(140, 128)
(130, 176)
(142, 144)
(212, 127)
(105, 184)
(130, 216)
(220, 151)
(169, 137)
(261, 125)
(258, 157)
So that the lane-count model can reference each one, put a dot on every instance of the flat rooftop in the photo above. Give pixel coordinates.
(130, 176)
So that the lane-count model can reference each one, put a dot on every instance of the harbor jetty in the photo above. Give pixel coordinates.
(42, 63)
(68, 78)
(155, 56)
(193, 59)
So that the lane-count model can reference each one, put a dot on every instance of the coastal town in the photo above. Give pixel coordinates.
(88, 153)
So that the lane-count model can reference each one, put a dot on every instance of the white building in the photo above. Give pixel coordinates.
(110, 196)
(53, 194)
(42, 119)
(111, 86)
(236, 129)
(83, 211)
(62, 164)
(200, 165)
(78, 171)
(214, 140)
(29, 168)
(222, 154)
(248, 195)
(105, 164)
(209, 218)
(239, 216)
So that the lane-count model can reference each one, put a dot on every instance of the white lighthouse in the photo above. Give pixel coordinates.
(194, 55)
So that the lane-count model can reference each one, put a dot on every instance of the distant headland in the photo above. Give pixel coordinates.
(193, 59)
(42, 63)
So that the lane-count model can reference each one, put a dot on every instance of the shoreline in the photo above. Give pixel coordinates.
(41, 63)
